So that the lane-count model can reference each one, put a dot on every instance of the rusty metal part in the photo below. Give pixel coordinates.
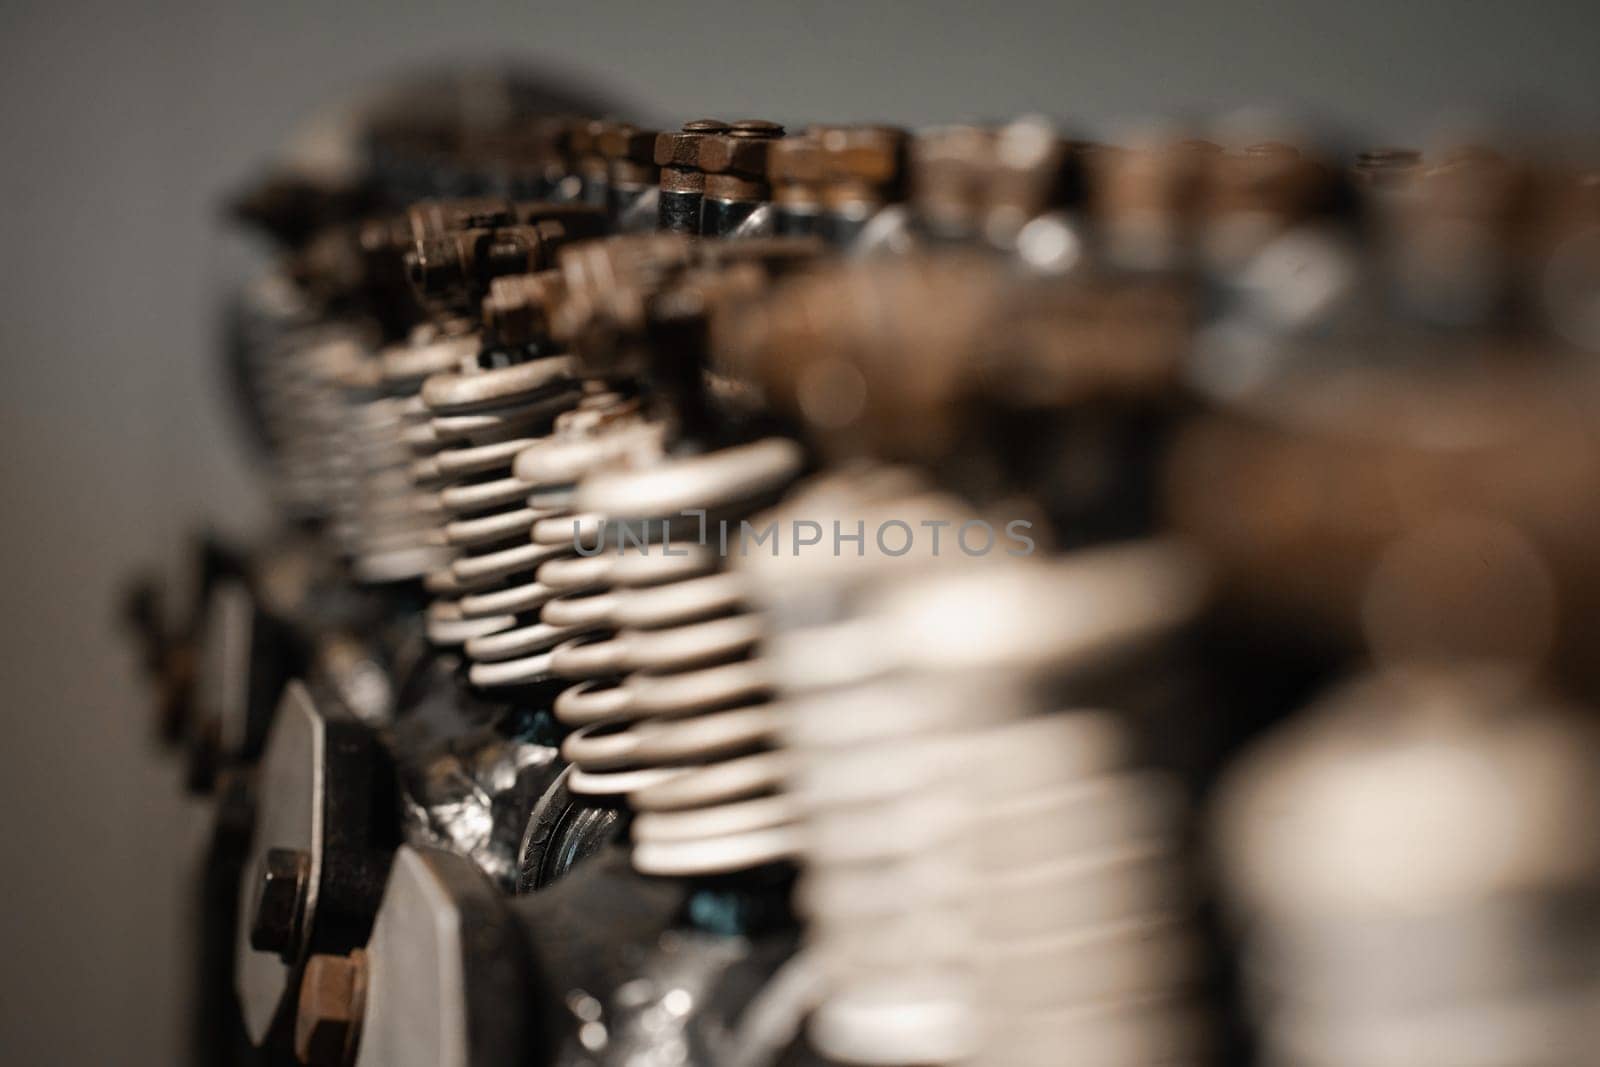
(1301, 501)
(431, 218)
(681, 149)
(735, 168)
(971, 181)
(862, 164)
(893, 359)
(332, 1003)
(709, 159)
(683, 183)
(1144, 198)
(615, 289)
(795, 172)
(516, 310)
(736, 159)
(459, 247)
(436, 218)
(465, 262)
(831, 179)
(606, 283)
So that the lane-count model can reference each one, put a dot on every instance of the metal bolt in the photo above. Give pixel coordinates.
(280, 901)
(332, 1001)
(755, 128)
(682, 183)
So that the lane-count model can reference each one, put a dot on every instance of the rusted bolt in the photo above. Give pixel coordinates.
(969, 181)
(280, 902)
(735, 168)
(862, 162)
(794, 170)
(683, 184)
(456, 268)
(332, 1002)
(680, 150)
(630, 158)
(432, 218)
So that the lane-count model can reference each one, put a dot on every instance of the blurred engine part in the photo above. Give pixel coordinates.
(762, 595)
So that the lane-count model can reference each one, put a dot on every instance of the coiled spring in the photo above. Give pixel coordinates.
(384, 524)
(480, 420)
(290, 365)
(1414, 872)
(511, 640)
(984, 882)
(673, 709)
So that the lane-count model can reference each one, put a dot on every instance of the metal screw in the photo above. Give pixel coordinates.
(280, 902)
(332, 1002)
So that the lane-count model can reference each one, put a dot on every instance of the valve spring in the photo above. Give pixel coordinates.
(381, 520)
(480, 419)
(499, 619)
(288, 365)
(984, 882)
(1079, 904)
(604, 429)
(672, 708)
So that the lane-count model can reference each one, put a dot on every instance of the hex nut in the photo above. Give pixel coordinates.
(279, 908)
(332, 1002)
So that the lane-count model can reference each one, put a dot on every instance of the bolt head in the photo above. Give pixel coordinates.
(280, 902)
(678, 149)
(332, 992)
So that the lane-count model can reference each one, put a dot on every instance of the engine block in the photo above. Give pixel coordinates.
(758, 595)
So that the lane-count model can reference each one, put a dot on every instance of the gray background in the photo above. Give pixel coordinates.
(120, 126)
